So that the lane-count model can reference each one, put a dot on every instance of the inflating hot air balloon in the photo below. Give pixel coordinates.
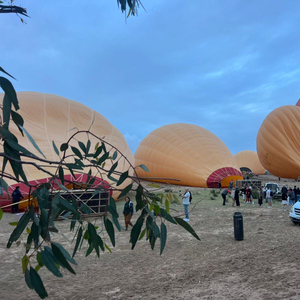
(278, 142)
(248, 161)
(49, 118)
(188, 153)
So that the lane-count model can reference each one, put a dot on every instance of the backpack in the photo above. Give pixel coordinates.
(191, 197)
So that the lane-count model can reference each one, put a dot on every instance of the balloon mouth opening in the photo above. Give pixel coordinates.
(222, 177)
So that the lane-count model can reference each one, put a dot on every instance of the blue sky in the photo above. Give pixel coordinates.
(222, 65)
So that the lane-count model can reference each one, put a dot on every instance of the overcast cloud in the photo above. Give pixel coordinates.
(222, 65)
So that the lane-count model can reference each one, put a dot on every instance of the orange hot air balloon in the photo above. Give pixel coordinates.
(247, 160)
(51, 118)
(278, 142)
(186, 152)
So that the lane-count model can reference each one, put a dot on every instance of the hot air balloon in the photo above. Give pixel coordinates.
(188, 153)
(50, 118)
(278, 142)
(248, 161)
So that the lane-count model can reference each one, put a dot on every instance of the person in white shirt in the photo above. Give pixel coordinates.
(186, 203)
(269, 198)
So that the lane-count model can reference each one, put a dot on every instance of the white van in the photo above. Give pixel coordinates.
(295, 213)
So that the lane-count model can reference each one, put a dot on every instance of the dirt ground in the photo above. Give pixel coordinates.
(262, 266)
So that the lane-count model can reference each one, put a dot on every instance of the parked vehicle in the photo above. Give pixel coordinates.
(274, 187)
(295, 213)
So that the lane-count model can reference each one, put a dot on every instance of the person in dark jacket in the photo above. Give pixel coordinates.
(16, 197)
(224, 194)
(237, 197)
(128, 212)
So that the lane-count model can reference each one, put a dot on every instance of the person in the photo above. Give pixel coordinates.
(224, 194)
(237, 197)
(233, 196)
(128, 212)
(231, 185)
(16, 196)
(260, 196)
(244, 193)
(296, 194)
(186, 203)
(291, 196)
(284, 190)
(220, 184)
(284, 201)
(269, 197)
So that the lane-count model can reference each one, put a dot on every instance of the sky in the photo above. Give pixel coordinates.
(222, 65)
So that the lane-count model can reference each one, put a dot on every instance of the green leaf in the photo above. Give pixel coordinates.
(139, 200)
(149, 213)
(168, 217)
(13, 223)
(61, 258)
(107, 248)
(103, 158)
(167, 204)
(142, 234)
(122, 178)
(93, 238)
(32, 141)
(98, 151)
(136, 230)
(79, 237)
(37, 283)
(22, 224)
(125, 191)
(82, 147)
(65, 253)
(110, 230)
(61, 175)
(49, 261)
(157, 210)
(85, 209)
(27, 279)
(4, 185)
(39, 259)
(187, 227)
(64, 147)
(88, 146)
(9, 91)
(55, 148)
(144, 168)
(25, 261)
(2, 70)
(115, 155)
(77, 152)
(89, 250)
(112, 169)
(112, 211)
(18, 120)
(66, 205)
(1, 213)
(163, 237)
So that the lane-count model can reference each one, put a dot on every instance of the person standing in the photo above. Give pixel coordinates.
(284, 201)
(128, 212)
(269, 198)
(291, 196)
(186, 203)
(16, 196)
(237, 197)
(231, 185)
(260, 196)
(233, 197)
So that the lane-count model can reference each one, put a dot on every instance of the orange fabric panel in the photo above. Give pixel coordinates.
(278, 142)
(181, 151)
(249, 159)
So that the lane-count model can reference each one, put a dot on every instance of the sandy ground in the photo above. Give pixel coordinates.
(262, 266)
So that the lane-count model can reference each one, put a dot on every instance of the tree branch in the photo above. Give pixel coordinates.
(6, 9)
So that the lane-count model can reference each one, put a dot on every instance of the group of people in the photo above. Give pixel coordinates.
(289, 196)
